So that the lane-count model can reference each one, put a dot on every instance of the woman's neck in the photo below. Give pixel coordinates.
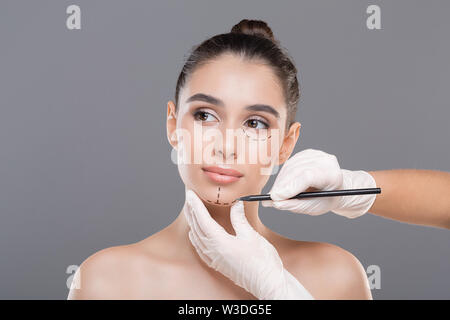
(179, 228)
(173, 243)
(221, 214)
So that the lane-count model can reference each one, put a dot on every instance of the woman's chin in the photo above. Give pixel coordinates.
(219, 198)
(220, 202)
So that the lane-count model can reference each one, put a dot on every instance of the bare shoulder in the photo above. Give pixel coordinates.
(328, 271)
(110, 273)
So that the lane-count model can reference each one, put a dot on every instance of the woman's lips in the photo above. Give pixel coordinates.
(222, 175)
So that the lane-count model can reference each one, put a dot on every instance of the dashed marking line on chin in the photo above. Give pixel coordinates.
(218, 197)
(218, 194)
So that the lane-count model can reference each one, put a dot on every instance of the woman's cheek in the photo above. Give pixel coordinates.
(266, 152)
(256, 179)
(185, 152)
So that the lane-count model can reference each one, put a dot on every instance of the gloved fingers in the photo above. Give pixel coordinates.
(207, 224)
(195, 226)
(198, 247)
(202, 244)
(188, 215)
(267, 203)
(239, 220)
(303, 159)
(314, 168)
(210, 241)
(290, 205)
(311, 207)
(295, 289)
(355, 206)
(299, 181)
(192, 222)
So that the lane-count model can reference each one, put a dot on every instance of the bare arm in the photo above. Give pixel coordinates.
(414, 196)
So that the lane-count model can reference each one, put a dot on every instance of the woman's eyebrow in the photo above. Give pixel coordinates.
(264, 108)
(218, 102)
(206, 98)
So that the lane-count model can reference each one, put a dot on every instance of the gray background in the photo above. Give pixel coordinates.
(84, 158)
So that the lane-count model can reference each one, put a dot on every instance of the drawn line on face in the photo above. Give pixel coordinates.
(255, 139)
(218, 197)
(218, 194)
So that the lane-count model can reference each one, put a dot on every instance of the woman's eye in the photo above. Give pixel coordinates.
(256, 124)
(204, 116)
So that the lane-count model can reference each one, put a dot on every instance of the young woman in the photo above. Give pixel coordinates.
(244, 82)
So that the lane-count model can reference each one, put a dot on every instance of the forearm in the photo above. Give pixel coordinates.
(413, 196)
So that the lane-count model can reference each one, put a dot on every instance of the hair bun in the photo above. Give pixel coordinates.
(255, 28)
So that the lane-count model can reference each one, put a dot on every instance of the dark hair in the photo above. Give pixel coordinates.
(251, 39)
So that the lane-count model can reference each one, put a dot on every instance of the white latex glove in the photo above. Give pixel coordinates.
(320, 170)
(248, 259)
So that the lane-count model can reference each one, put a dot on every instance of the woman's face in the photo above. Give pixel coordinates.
(229, 130)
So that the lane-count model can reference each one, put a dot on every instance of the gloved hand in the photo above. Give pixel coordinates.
(312, 168)
(247, 258)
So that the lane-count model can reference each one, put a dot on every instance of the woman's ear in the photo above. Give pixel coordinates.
(289, 142)
(171, 124)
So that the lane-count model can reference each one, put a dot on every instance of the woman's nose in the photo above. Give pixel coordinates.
(225, 151)
(225, 147)
(227, 155)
